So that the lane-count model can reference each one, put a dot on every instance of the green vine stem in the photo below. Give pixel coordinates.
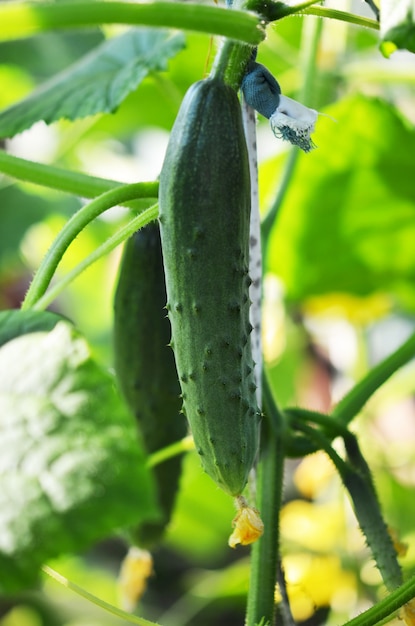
(110, 244)
(273, 11)
(23, 19)
(385, 607)
(76, 183)
(357, 480)
(265, 552)
(343, 16)
(309, 50)
(352, 403)
(70, 231)
(110, 608)
(174, 449)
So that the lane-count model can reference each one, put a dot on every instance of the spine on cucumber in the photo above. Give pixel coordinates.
(145, 365)
(204, 218)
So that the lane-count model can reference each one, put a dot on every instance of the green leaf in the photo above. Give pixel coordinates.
(397, 25)
(347, 222)
(15, 323)
(98, 83)
(71, 468)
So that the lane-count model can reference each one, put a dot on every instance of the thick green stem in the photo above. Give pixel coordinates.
(355, 400)
(357, 479)
(57, 178)
(24, 19)
(272, 11)
(386, 607)
(70, 231)
(342, 16)
(148, 215)
(265, 552)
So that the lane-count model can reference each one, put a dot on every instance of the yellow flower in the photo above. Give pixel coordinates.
(407, 613)
(248, 526)
(400, 547)
(136, 568)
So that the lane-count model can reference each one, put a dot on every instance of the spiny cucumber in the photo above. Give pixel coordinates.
(145, 365)
(204, 216)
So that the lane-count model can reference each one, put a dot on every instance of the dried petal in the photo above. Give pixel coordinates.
(247, 524)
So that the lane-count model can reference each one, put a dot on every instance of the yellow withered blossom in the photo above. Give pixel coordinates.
(248, 526)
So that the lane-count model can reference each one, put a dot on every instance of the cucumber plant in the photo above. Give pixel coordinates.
(191, 289)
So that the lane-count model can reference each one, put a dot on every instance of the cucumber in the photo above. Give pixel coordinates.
(204, 214)
(145, 367)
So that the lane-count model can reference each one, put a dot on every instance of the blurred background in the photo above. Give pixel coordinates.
(339, 295)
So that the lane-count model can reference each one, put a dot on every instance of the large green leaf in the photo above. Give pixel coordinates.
(397, 25)
(348, 220)
(15, 323)
(71, 468)
(98, 83)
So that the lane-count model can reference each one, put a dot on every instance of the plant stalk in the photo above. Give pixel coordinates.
(353, 402)
(25, 19)
(265, 552)
(76, 183)
(69, 232)
(147, 216)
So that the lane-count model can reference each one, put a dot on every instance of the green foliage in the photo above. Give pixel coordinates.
(397, 26)
(70, 457)
(96, 84)
(339, 207)
(72, 468)
(15, 323)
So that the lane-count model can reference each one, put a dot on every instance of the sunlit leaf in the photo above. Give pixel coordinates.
(71, 467)
(347, 222)
(98, 83)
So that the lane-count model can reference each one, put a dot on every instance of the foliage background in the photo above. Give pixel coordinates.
(339, 295)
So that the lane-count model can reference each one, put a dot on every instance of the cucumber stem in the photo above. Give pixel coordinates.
(76, 183)
(69, 232)
(24, 19)
(357, 479)
(352, 403)
(265, 552)
(148, 215)
(309, 48)
(385, 607)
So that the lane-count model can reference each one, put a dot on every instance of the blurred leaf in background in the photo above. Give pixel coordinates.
(347, 223)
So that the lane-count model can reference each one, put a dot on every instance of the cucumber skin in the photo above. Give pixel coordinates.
(145, 367)
(204, 199)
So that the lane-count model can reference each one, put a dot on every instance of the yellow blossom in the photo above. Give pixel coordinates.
(407, 613)
(136, 568)
(400, 546)
(248, 526)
